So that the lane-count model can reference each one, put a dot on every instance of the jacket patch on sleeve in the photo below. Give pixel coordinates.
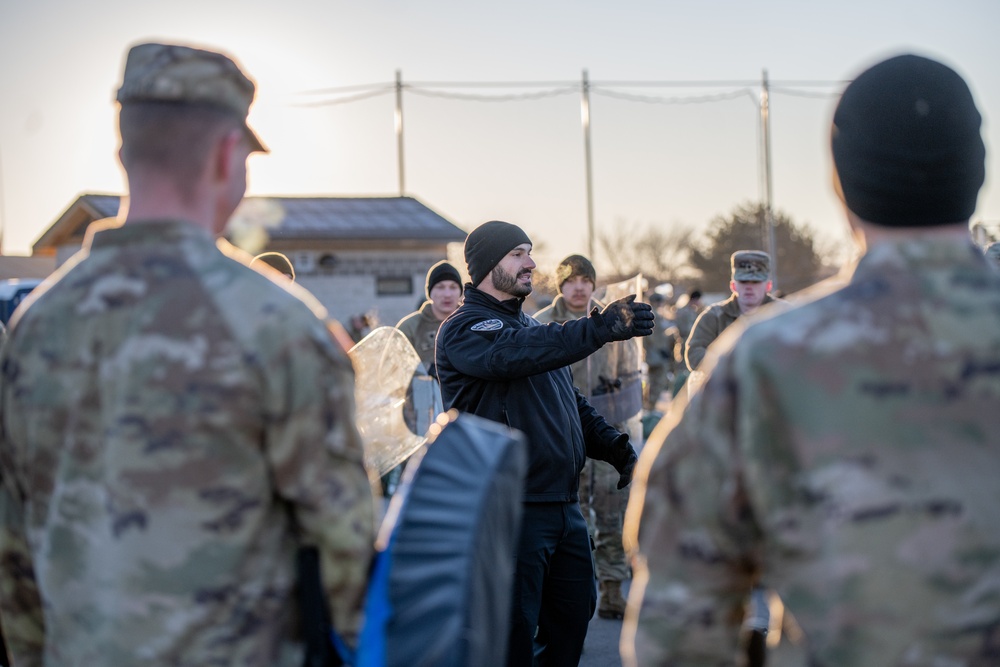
(488, 325)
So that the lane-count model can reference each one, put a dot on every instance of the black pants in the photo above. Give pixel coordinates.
(554, 588)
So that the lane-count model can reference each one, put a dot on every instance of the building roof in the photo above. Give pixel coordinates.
(362, 218)
(301, 218)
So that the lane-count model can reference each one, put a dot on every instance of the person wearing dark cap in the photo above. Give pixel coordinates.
(496, 362)
(750, 285)
(844, 453)
(174, 425)
(610, 381)
(444, 292)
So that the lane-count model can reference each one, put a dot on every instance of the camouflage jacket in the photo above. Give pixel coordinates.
(174, 425)
(710, 323)
(684, 319)
(420, 328)
(610, 377)
(844, 453)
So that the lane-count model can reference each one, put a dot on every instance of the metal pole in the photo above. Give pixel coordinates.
(399, 132)
(765, 117)
(585, 119)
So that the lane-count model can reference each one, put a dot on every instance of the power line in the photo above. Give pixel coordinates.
(345, 100)
(698, 99)
(806, 93)
(557, 88)
(494, 98)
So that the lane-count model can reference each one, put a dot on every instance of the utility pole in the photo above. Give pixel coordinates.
(765, 119)
(399, 133)
(585, 119)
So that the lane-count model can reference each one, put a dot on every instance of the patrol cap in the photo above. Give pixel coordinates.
(186, 75)
(750, 265)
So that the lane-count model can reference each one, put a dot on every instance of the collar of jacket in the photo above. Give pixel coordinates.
(561, 311)
(427, 311)
(474, 295)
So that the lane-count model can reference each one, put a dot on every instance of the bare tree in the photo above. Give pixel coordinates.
(660, 253)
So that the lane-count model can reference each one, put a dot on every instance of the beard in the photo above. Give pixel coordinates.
(507, 283)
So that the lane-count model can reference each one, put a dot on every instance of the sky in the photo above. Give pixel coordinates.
(665, 156)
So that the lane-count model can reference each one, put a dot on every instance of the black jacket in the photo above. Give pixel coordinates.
(496, 362)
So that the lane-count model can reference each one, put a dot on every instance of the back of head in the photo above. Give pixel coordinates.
(175, 102)
(907, 146)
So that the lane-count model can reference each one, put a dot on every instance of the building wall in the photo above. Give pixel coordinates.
(350, 285)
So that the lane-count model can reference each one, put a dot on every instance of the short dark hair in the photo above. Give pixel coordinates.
(172, 138)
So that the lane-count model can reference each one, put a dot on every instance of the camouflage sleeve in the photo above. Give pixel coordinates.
(703, 332)
(21, 615)
(693, 536)
(315, 453)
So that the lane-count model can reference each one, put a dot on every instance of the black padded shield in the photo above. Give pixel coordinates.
(452, 547)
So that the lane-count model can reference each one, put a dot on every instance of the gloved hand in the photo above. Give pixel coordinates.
(623, 457)
(627, 318)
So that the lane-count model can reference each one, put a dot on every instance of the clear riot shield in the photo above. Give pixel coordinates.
(388, 378)
(616, 387)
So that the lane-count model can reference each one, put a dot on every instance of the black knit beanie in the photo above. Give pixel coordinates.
(575, 265)
(488, 244)
(439, 272)
(907, 146)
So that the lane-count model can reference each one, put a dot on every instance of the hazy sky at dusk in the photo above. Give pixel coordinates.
(653, 163)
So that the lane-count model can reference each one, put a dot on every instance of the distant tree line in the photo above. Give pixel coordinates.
(689, 260)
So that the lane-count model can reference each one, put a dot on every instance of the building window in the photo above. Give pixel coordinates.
(394, 286)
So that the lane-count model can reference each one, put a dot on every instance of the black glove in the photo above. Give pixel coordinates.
(627, 318)
(623, 457)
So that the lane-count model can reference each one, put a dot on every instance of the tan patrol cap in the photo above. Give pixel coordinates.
(751, 265)
(186, 75)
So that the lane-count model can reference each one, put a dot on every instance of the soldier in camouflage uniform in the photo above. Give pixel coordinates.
(175, 425)
(751, 284)
(845, 452)
(685, 314)
(597, 376)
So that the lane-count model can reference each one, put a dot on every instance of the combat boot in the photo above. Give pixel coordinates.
(612, 603)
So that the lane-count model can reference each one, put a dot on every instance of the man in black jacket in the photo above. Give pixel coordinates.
(496, 362)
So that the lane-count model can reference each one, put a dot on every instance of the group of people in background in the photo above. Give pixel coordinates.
(177, 419)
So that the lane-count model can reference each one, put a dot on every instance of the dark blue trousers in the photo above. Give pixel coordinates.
(554, 592)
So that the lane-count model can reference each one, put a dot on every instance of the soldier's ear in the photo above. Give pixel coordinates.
(768, 288)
